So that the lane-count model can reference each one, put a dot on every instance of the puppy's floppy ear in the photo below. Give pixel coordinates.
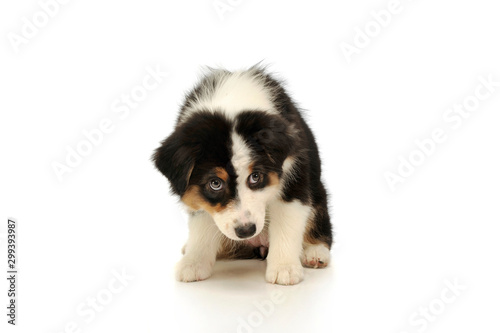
(175, 160)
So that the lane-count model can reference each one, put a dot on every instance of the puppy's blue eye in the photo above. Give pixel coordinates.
(216, 184)
(254, 178)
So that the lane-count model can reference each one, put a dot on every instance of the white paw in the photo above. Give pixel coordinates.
(285, 274)
(190, 270)
(315, 256)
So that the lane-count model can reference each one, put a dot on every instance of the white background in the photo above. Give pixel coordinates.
(395, 249)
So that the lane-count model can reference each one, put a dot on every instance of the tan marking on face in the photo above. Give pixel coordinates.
(195, 200)
(222, 173)
(273, 179)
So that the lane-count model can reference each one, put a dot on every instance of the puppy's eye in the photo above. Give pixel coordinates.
(254, 178)
(216, 184)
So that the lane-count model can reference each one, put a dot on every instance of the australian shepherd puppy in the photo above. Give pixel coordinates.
(246, 166)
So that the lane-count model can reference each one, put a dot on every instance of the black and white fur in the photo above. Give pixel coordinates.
(247, 167)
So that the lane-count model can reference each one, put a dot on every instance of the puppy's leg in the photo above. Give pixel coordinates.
(317, 238)
(200, 249)
(286, 232)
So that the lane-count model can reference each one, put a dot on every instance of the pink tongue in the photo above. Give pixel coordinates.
(260, 240)
(254, 241)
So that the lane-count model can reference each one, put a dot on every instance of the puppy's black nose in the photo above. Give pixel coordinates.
(245, 231)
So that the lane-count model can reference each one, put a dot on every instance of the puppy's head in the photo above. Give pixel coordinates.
(228, 168)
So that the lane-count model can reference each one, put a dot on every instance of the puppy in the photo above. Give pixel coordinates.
(246, 165)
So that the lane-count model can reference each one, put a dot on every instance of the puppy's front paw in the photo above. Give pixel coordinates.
(285, 274)
(315, 256)
(190, 270)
